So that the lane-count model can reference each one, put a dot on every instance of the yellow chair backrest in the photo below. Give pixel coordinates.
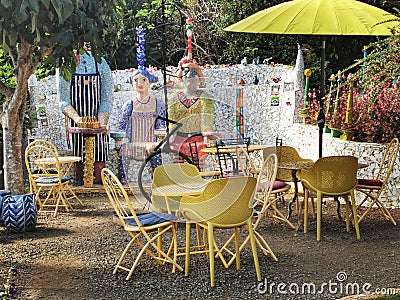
(224, 202)
(176, 173)
(118, 197)
(284, 154)
(332, 174)
(388, 161)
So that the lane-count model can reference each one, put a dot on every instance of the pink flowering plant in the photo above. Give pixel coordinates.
(335, 118)
(376, 96)
(379, 116)
(310, 113)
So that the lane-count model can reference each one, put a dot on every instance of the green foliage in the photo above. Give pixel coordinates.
(61, 25)
(6, 73)
(213, 45)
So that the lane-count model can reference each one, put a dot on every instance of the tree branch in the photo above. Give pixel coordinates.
(36, 61)
(14, 57)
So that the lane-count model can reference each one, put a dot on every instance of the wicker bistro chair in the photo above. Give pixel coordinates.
(334, 176)
(279, 188)
(47, 177)
(263, 204)
(245, 163)
(226, 203)
(146, 230)
(373, 188)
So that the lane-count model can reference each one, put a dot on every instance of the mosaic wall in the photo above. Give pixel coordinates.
(270, 102)
(306, 140)
(269, 105)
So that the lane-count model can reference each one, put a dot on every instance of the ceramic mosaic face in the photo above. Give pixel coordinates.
(141, 83)
(191, 78)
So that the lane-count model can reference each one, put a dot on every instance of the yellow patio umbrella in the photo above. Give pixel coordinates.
(319, 17)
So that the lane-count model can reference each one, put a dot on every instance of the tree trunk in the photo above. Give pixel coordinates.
(12, 141)
(13, 118)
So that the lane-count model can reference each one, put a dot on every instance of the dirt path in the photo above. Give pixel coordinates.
(72, 257)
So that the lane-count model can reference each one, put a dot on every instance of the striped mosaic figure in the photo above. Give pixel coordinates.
(85, 98)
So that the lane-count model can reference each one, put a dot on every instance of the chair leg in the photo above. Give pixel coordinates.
(263, 245)
(355, 216)
(38, 199)
(254, 249)
(237, 250)
(175, 246)
(122, 257)
(347, 213)
(313, 208)
(305, 211)
(187, 248)
(319, 215)
(210, 230)
(73, 195)
(385, 212)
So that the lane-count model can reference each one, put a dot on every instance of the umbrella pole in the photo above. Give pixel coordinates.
(321, 115)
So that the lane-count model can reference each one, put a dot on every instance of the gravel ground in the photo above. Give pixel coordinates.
(72, 257)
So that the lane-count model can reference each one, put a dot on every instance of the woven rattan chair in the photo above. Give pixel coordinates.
(334, 176)
(46, 178)
(279, 188)
(146, 230)
(226, 203)
(245, 163)
(263, 205)
(373, 188)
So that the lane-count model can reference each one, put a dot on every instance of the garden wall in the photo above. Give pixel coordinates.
(305, 138)
(271, 99)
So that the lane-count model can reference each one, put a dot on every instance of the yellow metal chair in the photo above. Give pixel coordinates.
(46, 178)
(334, 176)
(287, 154)
(226, 203)
(146, 230)
(263, 204)
(373, 188)
(284, 154)
(175, 173)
